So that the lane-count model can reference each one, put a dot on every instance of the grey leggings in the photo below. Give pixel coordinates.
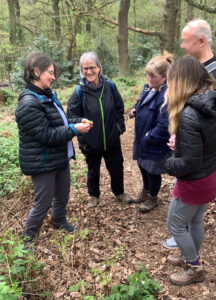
(181, 214)
(51, 189)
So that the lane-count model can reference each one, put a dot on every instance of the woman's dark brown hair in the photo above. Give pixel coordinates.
(37, 60)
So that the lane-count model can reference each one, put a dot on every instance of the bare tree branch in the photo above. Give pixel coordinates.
(209, 9)
(140, 30)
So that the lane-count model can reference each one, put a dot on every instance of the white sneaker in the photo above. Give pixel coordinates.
(170, 243)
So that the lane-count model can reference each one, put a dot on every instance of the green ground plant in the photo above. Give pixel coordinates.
(10, 97)
(9, 161)
(62, 242)
(138, 286)
(19, 269)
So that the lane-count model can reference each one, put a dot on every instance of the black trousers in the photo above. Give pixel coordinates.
(114, 163)
(151, 182)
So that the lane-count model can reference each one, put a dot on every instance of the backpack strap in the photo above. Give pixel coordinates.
(79, 93)
(211, 67)
(112, 86)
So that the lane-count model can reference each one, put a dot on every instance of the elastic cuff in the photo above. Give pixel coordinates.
(73, 128)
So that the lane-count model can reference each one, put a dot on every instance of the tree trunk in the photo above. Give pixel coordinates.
(17, 13)
(55, 4)
(123, 37)
(190, 13)
(178, 20)
(169, 25)
(12, 17)
(72, 45)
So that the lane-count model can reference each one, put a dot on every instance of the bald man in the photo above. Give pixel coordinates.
(196, 41)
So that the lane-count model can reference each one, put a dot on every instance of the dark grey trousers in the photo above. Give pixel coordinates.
(51, 189)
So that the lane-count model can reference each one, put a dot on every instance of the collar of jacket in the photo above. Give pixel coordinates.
(147, 90)
(54, 97)
(84, 83)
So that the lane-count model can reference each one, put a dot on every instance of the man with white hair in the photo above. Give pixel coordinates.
(196, 41)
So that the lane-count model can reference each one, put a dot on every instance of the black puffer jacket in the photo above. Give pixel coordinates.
(42, 134)
(107, 115)
(195, 149)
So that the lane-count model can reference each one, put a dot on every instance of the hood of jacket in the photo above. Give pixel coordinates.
(205, 103)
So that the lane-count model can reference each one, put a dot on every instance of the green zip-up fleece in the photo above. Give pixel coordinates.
(105, 108)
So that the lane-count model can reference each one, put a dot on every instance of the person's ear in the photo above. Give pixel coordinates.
(37, 72)
(202, 40)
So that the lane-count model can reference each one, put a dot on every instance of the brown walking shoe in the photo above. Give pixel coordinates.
(191, 274)
(150, 203)
(124, 198)
(140, 198)
(93, 201)
(176, 260)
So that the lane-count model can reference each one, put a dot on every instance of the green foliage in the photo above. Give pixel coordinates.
(62, 242)
(9, 161)
(18, 267)
(139, 286)
(76, 172)
(41, 44)
(108, 60)
(10, 97)
(145, 48)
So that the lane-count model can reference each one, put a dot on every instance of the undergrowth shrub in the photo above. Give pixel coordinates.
(9, 96)
(19, 270)
(9, 161)
(139, 286)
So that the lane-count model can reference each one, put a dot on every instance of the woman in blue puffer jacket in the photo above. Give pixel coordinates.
(45, 145)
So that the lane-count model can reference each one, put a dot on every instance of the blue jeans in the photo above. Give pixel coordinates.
(180, 214)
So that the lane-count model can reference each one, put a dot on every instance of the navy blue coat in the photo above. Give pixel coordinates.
(151, 126)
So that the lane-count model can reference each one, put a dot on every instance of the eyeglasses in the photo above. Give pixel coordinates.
(52, 73)
(89, 68)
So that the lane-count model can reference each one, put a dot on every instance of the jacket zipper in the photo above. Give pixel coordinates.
(102, 116)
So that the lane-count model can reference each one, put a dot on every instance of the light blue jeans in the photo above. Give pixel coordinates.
(180, 214)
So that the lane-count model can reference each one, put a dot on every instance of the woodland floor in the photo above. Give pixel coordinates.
(113, 232)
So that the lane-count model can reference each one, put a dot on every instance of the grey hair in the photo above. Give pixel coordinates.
(202, 29)
(93, 56)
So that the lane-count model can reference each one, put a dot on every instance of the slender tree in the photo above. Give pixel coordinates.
(123, 37)
(169, 25)
(12, 16)
(55, 5)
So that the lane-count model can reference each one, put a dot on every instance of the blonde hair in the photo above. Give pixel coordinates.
(160, 64)
(186, 77)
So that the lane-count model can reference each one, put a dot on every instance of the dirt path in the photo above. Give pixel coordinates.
(141, 235)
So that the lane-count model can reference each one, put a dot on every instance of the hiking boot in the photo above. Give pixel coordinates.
(28, 243)
(93, 201)
(150, 203)
(176, 260)
(67, 226)
(191, 274)
(140, 198)
(170, 243)
(124, 198)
